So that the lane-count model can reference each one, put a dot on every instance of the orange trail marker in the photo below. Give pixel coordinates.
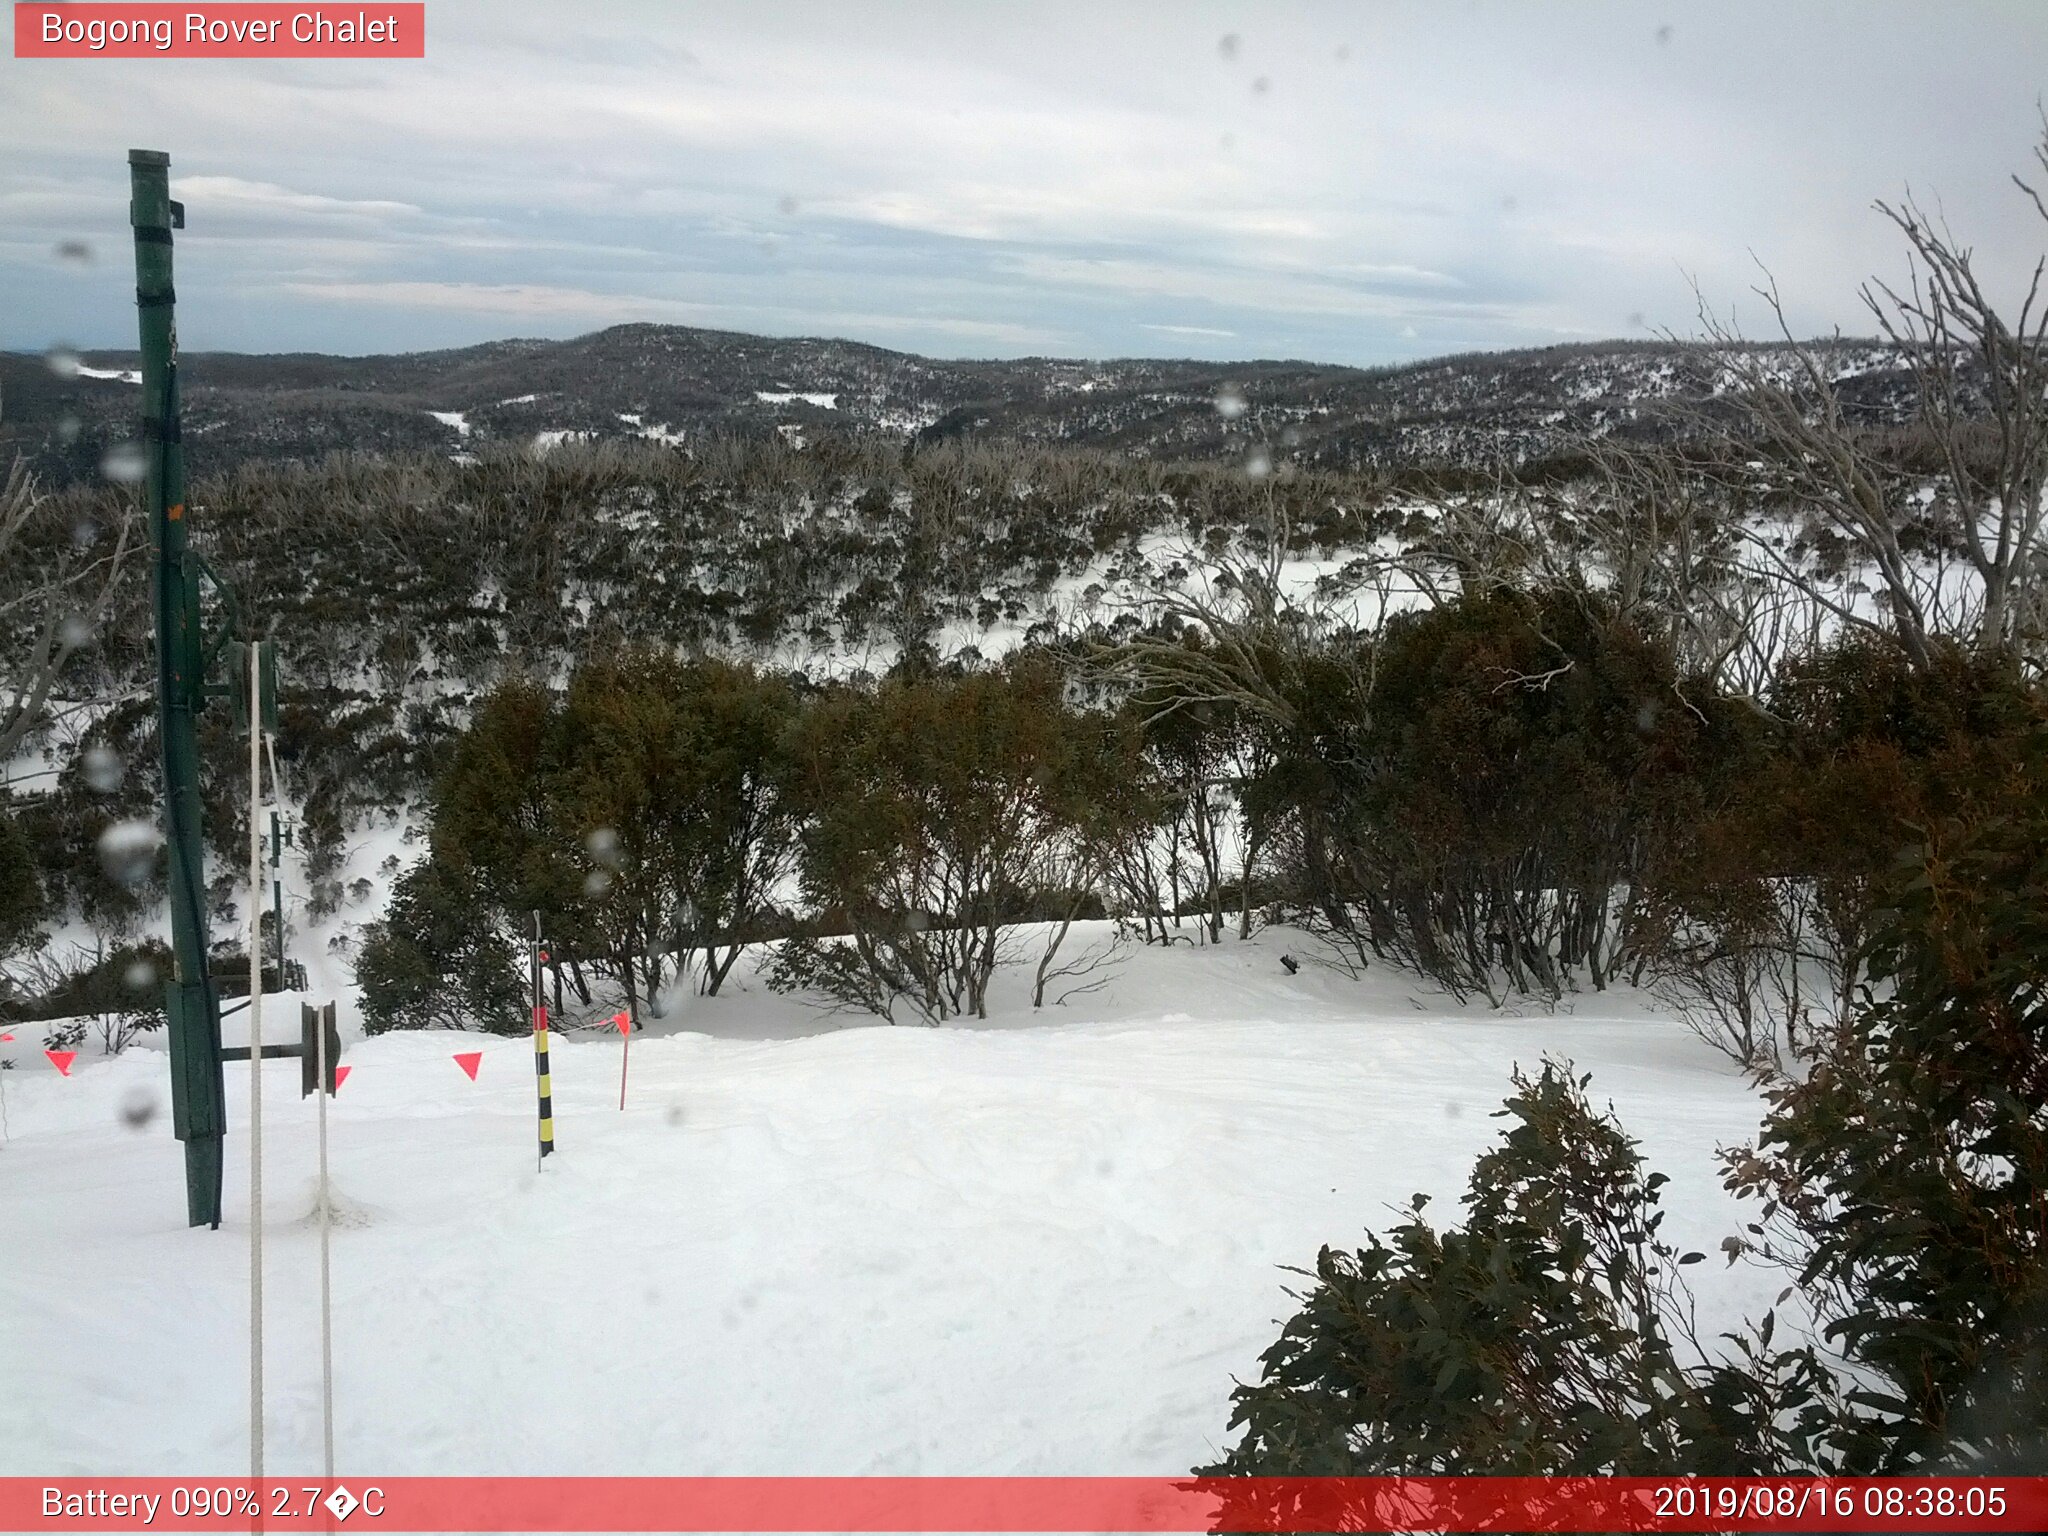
(625, 1023)
(62, 1060)
(341, 1076)
(469, 1061)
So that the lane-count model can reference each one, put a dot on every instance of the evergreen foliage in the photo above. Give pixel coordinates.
(437, 961)
(1906, 1200)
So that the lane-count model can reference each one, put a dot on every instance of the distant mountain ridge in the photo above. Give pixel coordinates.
(675, 382)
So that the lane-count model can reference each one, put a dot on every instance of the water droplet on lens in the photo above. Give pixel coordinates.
(140, 976)
(74, 631)
(604, 847)
(67, 430)
(139, 1106)
(128, 851)
(75, 251)
(62, 361)
(1258, 464)
(103, 769)
(1228, 44)
(596, 883)
(1230, 404)
(125, 463)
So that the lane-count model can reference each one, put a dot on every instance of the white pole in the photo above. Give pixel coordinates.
(326, 1298)
(255, 1066)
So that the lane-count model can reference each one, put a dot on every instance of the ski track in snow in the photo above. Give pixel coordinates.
(810, 1245)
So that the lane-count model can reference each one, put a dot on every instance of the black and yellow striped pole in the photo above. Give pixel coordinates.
(540, 1048)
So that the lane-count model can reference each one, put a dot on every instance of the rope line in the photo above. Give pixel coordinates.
(255, 1064)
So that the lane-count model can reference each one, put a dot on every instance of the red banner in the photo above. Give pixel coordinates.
(1559, 1504)
(212, 31)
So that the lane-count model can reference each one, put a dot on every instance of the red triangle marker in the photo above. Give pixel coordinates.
(623, 1020)
(62, 1060)
(469, 1061)
(341, 1076)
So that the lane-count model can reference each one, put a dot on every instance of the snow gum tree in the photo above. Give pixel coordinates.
(933, 809)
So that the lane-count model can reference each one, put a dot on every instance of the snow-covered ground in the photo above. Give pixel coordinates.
(810, 1244)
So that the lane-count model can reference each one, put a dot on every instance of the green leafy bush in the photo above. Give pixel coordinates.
(436, 961)
(1549, 1336)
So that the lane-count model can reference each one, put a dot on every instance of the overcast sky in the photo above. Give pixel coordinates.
(1359, 183)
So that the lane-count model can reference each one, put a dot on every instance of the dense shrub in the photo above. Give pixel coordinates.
(1480, 807)
(437, 960)
(1759, 910)
(935, 811)
(1549, 1336)
(23, 904)
(1907, 1173)
(1905, 1180)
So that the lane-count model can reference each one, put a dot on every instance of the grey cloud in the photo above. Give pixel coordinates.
(964, 179)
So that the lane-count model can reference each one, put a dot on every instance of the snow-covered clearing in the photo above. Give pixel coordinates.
(828, 402)
(810, 1244)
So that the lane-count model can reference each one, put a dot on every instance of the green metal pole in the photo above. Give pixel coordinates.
(191, 1006)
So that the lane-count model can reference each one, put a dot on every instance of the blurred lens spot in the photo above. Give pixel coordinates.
(139, 1106)
(674, 1115)
(1261, 85)
(596, 883)
(603, 845)
(1230, 404)
(127, 851)
(75, 251)
(102, 767)
(140, 976)
(62, 361)
(67, 430)
(74, 631)
(787, 204)
(1228, 44)
(1258, 464)
(125, 464)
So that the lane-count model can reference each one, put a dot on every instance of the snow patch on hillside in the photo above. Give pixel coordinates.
(822, 401)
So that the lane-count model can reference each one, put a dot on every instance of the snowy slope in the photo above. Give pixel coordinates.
(809, 1245)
